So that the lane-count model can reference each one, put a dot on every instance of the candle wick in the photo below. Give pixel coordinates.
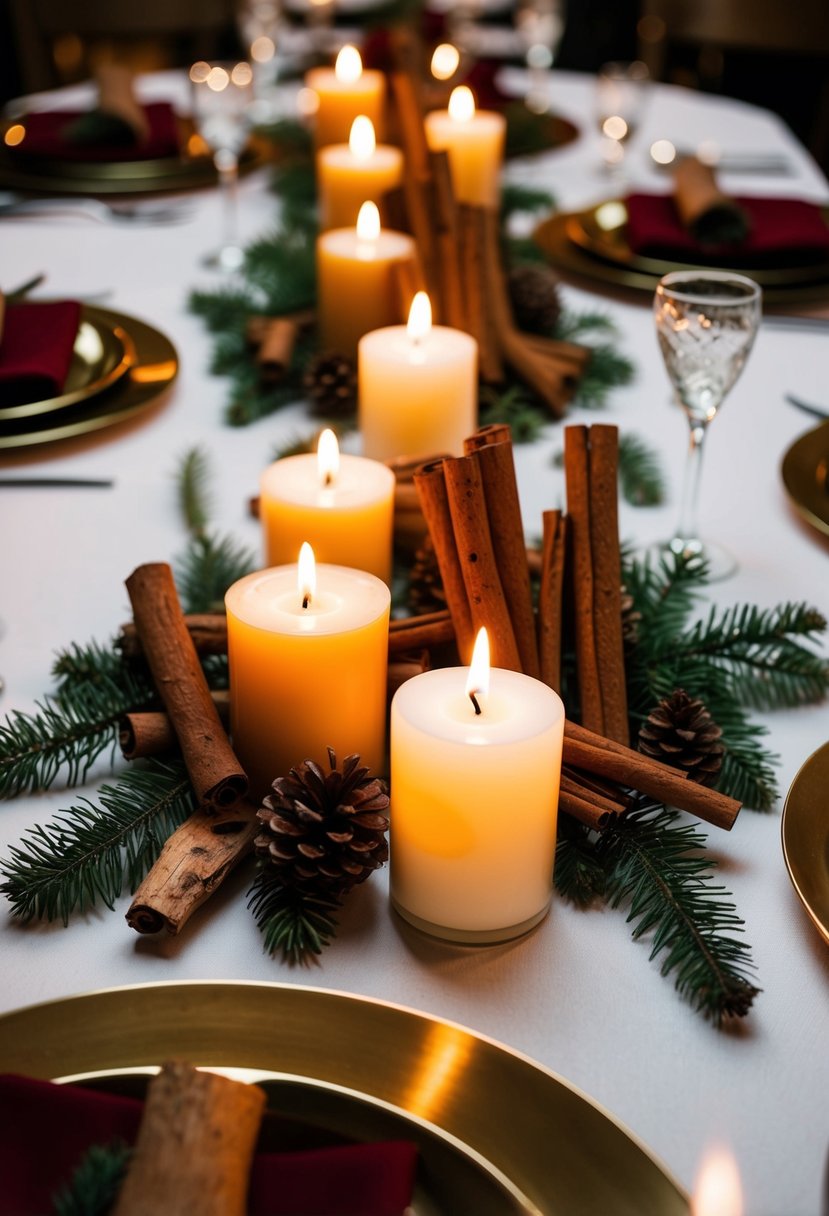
(328, 480)
(306, 600)
(474, 701)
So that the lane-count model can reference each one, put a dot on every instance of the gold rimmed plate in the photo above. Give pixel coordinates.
(805, 832)
(344, 1064)
(152, 369)
(805, 472)
(102, 354)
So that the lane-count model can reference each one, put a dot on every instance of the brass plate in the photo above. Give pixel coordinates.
(601, 230)
(805, 831)
(103, 352)
(512, 1117)
(553, 238)
(805, 472)
(153, 368)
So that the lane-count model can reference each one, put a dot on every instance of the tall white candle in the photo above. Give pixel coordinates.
(474, 800)
(474, 140)
(418, 387)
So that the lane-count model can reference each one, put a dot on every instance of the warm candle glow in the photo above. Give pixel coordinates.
(419, 325)
(362, 142)
(477, 682)
(445, 60)
(462, 104)
(306, 579)
(349, 66)
(368, 223)
(718, 1191)
(217, 79)
(328, 457)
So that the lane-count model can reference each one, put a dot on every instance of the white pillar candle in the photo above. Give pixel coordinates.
(474, 800)
(344, 92)
(308, 657)
(418, 387)
(342, 504)
(474, 141)
(348, 174)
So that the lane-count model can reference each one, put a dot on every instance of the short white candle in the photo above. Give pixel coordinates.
(474, 140)
(418, 387)
(474, 800)
(342, 504)
(348, 174)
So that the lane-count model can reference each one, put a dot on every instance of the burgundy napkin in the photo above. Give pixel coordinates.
(36, 350)
(782, 230)
(47, 1128)
(46, 136)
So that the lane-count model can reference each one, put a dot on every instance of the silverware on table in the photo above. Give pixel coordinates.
(815, 410)
(95, 209)
(44, 483)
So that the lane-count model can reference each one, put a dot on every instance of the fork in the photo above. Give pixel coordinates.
(97, 209)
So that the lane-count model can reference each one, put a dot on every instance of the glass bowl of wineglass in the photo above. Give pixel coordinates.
(706, 323)
(619, 99)
(221, 95)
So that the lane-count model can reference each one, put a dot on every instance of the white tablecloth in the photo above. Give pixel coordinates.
(577, 994)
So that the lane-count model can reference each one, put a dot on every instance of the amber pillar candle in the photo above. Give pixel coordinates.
(355, 280)
(349, 174)
(342, 93)
(474, 141)
(418, 387)
(308, 655)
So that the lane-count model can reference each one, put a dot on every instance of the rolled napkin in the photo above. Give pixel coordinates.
(712, 218)
(119, 118)
(48, 1128)
(36, 350)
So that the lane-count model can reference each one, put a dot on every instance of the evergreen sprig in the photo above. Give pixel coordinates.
(95, 1182)
(193, 482)
(209, 565)
(294, 923)
(641, 479)
(88, 852)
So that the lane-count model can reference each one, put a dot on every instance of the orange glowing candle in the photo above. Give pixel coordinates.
(474, 140)
(344, 92)
(348, 174)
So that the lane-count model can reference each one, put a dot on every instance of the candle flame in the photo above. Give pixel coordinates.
(445, 60)
(306, 581)
(368, 222)
(462, 104)
(420, 318)
(477, 682)
(349, 66)
(328, 457)
(362, 141)
(718, 1191)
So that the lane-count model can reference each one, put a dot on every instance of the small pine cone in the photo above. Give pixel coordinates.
(325, 829)
(631, 619)
(330, 382)
(426, 592)
(535, 298)
(681, 732)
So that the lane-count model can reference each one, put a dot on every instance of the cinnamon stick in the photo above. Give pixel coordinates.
(404, 667)
(195, 1146)
(584, 804)
(712, 217)
(417, 632)
(480, 322)
(214, 771)
(607, 580)
(194, 861)
(408, 280)
(577, 474)
(117, 96)
(446, 236)
(276, 349)
(551, 597)
(208, 632)
(151, 733)
(430, 481)
(417, 178)
(257, 324)
(492, 447)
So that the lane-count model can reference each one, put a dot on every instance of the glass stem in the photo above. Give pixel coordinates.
(688, 529)
(228, 168)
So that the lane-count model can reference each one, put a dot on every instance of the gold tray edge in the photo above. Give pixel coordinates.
(792, 866)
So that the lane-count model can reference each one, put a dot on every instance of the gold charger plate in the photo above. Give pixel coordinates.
(532, 1139)
(805, 832)
(102, 354)
(805, 472)
(153, 368)
(554, 236)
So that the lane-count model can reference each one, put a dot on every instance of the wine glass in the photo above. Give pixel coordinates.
(540, 25)
(222, 94)
(619, 98)
(706, 323)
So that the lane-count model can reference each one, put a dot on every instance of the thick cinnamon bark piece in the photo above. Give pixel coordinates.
(607, 580)
(430, 480)
(551, 597)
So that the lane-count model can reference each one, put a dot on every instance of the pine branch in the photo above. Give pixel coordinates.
(223, 307)
(515, 405)
(282, 267)
(607, 369)
(293, 922)
(641, 479)
(664, 593)
(579, 874)
(93, 666)
(518, 198)
(655, 868)
(88, 852)
(209, 565)
(574, 325)
(193, 476)
(95, 1183)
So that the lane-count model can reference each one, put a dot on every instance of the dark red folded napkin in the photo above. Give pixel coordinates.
(48, 1128)
(782, 231)
(36, 350)
(47, 135)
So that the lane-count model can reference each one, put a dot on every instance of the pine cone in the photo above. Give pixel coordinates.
(326, 829)
(426, 592)
(631, 619)
(330, 382)
(681, 732)
(535, 299)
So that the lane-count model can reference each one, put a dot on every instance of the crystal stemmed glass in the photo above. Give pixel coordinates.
(222, 94)
(706, 323)
(540, 24)
(619, 98)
